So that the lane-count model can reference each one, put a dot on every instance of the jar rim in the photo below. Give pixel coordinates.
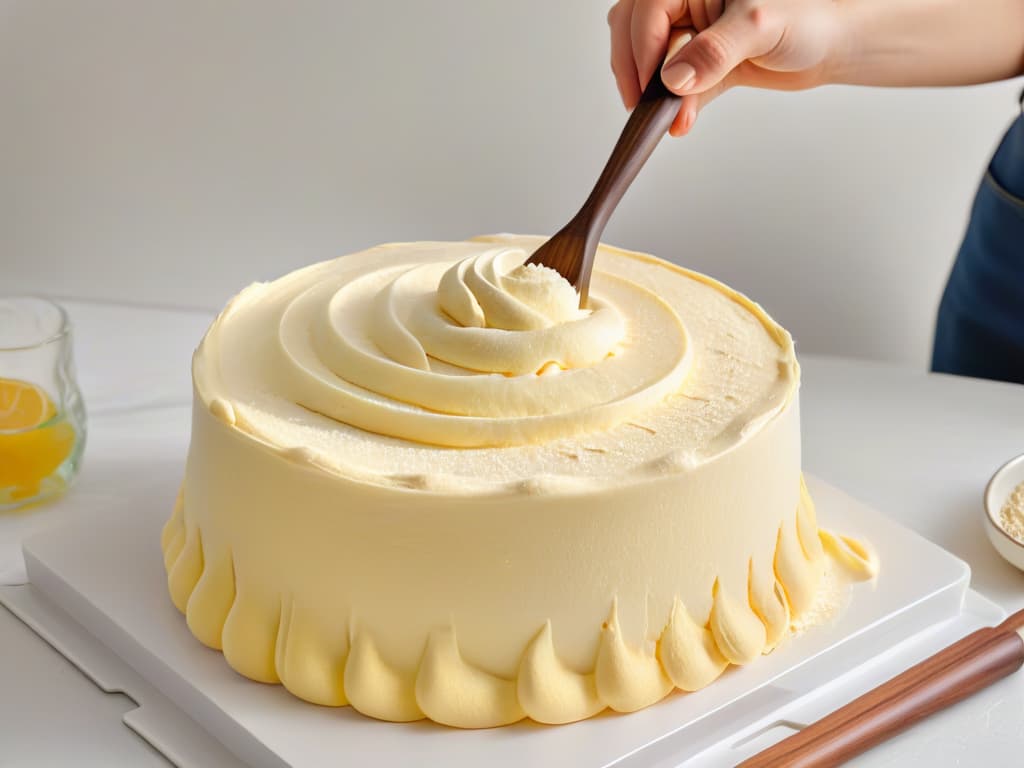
(63, 325)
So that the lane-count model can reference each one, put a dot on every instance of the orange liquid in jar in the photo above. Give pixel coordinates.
(35, 439)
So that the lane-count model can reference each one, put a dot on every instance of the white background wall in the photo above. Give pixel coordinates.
(172, 152)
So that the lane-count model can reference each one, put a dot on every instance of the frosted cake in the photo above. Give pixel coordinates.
(422, 482)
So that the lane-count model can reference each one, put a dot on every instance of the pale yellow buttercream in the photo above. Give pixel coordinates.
(423, 482)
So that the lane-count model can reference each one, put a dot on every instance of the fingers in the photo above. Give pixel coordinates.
(641, 30)
(704, 13)
(650, 26)
(744, 31)
(623, 65)
(715, 9)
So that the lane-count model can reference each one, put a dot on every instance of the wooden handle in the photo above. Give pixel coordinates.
(952, 674)
(571, 251)
(647, 124)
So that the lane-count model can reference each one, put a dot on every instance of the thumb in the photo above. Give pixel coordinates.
(743, 32)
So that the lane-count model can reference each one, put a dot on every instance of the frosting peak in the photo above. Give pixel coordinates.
(513, 318)
(497, 290)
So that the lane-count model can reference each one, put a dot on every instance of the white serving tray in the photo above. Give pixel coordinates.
(107, 575)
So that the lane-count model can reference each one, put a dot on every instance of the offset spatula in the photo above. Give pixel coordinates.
(571, 251)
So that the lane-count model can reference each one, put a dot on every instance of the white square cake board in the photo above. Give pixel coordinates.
(106, 575)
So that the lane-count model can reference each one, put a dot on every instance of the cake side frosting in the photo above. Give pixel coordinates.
(295, 638)
(543, 569)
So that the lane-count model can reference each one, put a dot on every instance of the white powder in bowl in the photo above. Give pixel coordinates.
(1011, 517)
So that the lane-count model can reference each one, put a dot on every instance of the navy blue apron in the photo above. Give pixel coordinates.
(980, 327)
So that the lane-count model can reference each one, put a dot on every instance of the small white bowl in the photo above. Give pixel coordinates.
(998, 490)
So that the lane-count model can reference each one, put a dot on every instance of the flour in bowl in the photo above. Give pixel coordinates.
(1011, 517)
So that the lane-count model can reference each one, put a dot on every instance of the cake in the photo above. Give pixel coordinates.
(424, 483)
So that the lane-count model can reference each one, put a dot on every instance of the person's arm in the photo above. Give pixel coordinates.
(928, 42)
(796, 44)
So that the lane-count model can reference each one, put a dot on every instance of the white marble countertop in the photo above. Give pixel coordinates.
(916, 446)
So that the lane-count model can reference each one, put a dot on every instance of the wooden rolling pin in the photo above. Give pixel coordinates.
(952, 674)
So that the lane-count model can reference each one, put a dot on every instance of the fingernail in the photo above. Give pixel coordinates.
(688, 121)
(679, 75)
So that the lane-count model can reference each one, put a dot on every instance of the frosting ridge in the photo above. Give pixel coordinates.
(461, 355)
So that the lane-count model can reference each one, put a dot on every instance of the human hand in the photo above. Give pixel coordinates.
(780, 44)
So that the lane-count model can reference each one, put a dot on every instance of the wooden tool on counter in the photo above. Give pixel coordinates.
(571, 251)
(952, 674)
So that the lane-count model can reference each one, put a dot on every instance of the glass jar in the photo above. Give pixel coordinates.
(42, 416)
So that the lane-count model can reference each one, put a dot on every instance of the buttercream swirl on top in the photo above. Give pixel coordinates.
(485, 351)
